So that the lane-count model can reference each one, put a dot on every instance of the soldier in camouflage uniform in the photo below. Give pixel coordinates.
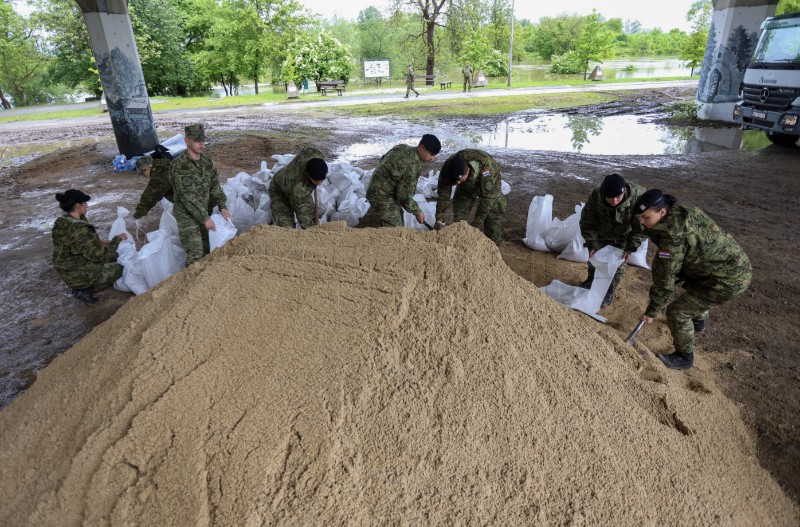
(476, 177)
(608, 219)
(81, 259)
(691, 249)
(291, 188)
(195, 183)
(158, 186)
(466, 71)
(410, 81)
(394, 182)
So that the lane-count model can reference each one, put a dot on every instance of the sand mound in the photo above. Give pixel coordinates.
(367, 377)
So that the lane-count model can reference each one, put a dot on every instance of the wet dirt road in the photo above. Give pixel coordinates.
(750, 347)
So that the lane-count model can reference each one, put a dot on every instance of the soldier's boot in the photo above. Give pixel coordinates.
(85, 295)
(587, 284)
(609, 297)
(677, 361)
(699, 325)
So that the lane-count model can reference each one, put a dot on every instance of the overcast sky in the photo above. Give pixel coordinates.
(665, 15)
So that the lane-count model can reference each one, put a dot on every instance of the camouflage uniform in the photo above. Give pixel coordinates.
(290, 192)
(601, 225)
(80, 258)
(466, 71)
(394, 184)
(196, 188)
(158, 187)
(712, 266)
(410, 81)
(484, 185)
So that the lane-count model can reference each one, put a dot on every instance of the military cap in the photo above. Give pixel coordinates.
(317, 169)
(652, 198)
(456, 169)
(142, 163)
(68, 199)
(613, 185)
(195, 131)
(431, 143)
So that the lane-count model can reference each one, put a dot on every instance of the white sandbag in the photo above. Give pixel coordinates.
(264, 211)
(224, 230)
(606, 262)
(561, 233)
(575, 251)
(243, 214)
(133, 279)
(167, 223)
(428, 208)
(175, 144)
(639, 258)
(540, 218)
(505, 188)
(161, 257)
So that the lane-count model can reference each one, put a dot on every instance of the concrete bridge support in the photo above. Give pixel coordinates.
(734, 32)
(117, 59)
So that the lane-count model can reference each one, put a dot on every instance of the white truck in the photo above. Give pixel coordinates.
(770, 91)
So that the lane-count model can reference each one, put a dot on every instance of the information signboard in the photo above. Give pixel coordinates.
(376, 68)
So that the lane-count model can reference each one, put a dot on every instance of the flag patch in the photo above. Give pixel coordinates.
(664, 254)
(486, 173)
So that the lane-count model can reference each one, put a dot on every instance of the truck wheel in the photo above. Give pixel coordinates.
(782, 139)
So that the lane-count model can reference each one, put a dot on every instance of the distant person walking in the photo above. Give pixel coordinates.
(195, 184)
(466, 71)
(83, 261)
(410, 81)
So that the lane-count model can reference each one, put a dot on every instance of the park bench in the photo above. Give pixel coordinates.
(445, 84)
(331, 85)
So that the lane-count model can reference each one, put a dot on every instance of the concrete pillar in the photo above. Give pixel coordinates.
(117, 59)
(731, 41)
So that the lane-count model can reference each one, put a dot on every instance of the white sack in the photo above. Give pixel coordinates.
(225, 230)
(540, 218)
(561, 233)
(639, 258)
(428, 208)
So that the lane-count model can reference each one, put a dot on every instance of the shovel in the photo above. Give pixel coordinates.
(428, 225)
(636, 330)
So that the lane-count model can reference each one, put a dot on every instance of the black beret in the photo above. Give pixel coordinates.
(456, 168)
(317, 169)
(431, 143)
(76, 196)
(652, 198)
(613, 185)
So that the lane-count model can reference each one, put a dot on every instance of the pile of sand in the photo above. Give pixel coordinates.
(339, 376)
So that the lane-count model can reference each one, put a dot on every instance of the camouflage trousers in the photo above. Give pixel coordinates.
(467, 83)
(389, 213)
(694, 303)
(194, 236)
(410, 88)
(282, 212)
(492, 225)
(109, 273)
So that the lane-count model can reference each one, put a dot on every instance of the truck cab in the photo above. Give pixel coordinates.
(770, 91)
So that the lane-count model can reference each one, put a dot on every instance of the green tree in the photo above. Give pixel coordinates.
(431, 14)
(317, 57)
(595, 43)
(21, 60)
(556, 36)
(694, 47)
(484, 57)
(374, 35)
(787, 6)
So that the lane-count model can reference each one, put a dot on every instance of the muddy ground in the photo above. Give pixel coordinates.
(750, 346)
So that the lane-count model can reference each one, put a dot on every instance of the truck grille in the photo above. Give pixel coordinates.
(779, 99)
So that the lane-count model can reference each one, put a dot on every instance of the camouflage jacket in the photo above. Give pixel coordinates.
(410, 75)
(692, 248)
(78, 253)
(395, 179)
(483, 183)
(158, 187)
(292, 184)
(603, 225)
(466, 71)
(196, 186)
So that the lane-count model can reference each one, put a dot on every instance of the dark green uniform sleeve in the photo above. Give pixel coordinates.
(590, 223)
(666, 267)
(87, 244)
(444, 192)
(303, 205)
(636, 237)
(405, 190)
(183, 185)
(490, 191)
(157, 188)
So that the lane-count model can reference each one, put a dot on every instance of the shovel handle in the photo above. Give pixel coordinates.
(428, 225)
(635, 332)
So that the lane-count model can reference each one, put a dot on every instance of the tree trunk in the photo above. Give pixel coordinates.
(255, 81)
(225, 86)
(4, 101)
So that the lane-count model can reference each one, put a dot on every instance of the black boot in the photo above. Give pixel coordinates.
(85, 295)
(609, 297)
(587, 284)
(699, 325)
(677, 361)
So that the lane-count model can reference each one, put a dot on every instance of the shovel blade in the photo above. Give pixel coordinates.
(635, 332)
